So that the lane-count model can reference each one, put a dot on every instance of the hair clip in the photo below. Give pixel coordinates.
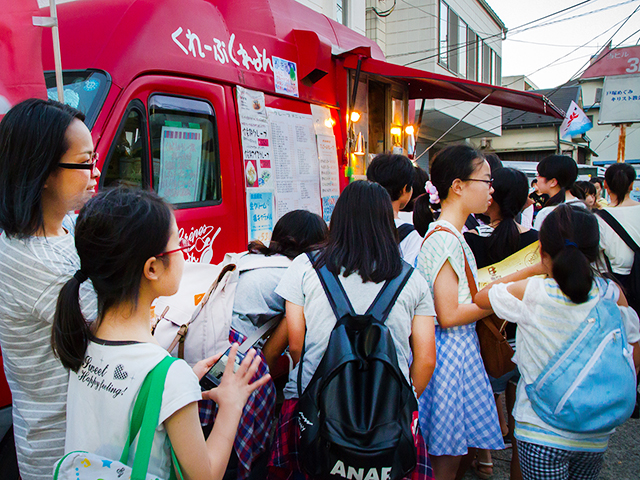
(431, 189)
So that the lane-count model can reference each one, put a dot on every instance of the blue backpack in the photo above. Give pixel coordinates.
(589, 386)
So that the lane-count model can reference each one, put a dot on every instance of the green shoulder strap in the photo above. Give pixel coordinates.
(146, 413)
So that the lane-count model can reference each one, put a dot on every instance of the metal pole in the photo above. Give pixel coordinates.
(622, 140)
(56, 50)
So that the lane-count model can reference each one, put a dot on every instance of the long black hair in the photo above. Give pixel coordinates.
(32, 141)
(296, 232)
(362, 236)
(455, 161)
(619, 177)
(116, 233)
(565, 170)
(570, 236)
(510, 190)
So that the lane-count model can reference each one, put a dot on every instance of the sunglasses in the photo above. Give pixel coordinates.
(89, 165)
(184, 245)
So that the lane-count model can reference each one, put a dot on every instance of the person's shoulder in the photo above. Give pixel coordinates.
(528, 237)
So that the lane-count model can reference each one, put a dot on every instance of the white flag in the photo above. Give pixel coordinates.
(575, 122)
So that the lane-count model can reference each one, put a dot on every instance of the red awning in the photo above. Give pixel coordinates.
(432, 85)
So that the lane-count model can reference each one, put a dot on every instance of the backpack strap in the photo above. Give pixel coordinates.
(404, 230)
(386, 298)
(334, 290)
(619, 229)
(144, 420)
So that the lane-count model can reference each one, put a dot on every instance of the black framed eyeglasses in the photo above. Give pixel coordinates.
(488, 182)
(184, 246)
(90, 165)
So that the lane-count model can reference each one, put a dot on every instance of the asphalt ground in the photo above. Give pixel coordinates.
(621, 461)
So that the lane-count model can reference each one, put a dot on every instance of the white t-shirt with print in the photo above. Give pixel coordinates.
(102, 394)
(300, 285)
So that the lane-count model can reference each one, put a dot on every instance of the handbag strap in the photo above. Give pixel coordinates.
(473, 288)
(619, 229)
(144, 420)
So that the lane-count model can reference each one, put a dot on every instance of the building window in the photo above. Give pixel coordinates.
(497, 69)
(462, 48)
(472, 55)
(486, 63)
(341, 11)
(444, 30)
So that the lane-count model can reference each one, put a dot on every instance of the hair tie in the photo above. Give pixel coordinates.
(569, 243)
(80, 276)
(431, 189)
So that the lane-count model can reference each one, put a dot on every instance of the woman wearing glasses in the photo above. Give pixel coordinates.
(457, 410)
(47, 169)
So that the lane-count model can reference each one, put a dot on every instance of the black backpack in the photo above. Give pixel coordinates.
(358, 415)
(631, 282)
(404, 230)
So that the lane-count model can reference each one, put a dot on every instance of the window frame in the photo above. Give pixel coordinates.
(135, 104)
(214, 117)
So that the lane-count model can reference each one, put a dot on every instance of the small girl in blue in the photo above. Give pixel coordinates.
(457, 409)
(548, 311)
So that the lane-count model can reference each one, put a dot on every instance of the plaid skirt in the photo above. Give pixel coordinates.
(284, 461)
(257, 417)
(457, 409)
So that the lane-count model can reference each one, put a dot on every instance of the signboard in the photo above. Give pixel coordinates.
(620, 100)
(180, 161)
(285, 76)
(619, 61)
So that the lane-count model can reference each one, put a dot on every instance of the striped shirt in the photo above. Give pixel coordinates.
(32, 272)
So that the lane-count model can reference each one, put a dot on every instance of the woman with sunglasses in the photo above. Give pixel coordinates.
(47, 169)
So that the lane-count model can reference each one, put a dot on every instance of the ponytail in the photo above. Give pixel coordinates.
(573, 273)
(570, 236)
(70, 333)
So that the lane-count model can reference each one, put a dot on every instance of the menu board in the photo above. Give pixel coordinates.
(297, 175)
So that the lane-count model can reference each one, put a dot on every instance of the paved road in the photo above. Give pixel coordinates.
(621, 462)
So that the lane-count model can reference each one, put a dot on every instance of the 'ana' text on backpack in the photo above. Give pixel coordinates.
(358, 415)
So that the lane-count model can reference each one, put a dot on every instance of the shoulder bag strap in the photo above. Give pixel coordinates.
(619, 229)
(404, 230)
(386, 298)
(258, 334)
(144, 420)
(473, 288)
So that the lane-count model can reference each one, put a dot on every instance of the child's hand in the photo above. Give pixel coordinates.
(234, 388)
(203, 366)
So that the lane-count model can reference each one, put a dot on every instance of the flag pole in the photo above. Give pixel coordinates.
(56, 50)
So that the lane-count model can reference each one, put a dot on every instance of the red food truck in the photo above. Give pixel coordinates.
(237, 112)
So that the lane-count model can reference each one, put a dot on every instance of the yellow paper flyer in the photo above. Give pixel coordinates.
(530, 255)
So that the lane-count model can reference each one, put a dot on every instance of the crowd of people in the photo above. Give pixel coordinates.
(75, 298)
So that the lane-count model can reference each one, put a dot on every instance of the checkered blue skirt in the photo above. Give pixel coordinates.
(457, 409)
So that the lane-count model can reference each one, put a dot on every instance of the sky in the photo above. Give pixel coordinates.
(570, 42)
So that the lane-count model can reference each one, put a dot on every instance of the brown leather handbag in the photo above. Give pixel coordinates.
(495, 350)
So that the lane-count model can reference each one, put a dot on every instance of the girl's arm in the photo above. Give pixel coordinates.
(622, 302)
(296, 327)
(423, 348)
(200, 459)
(275, 345)
(517, 289)
(449, 312)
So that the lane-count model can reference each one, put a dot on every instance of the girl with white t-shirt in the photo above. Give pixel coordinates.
(548, 311)
(618, 181)
(129, 247)
(363, 251)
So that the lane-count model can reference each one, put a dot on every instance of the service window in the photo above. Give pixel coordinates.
(124, 167)
(184, 146)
